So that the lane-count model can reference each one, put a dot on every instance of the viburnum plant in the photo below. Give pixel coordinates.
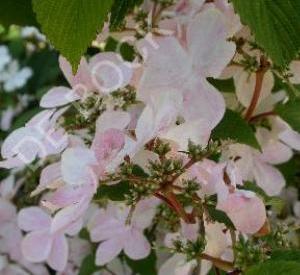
(168, 151)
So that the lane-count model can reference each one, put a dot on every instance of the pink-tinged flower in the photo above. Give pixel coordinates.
(10, 242)
(232, 19)
(45, 241)
(177, 265)
(112, 229)
(158, 119)
(169, 65)
(16, 268)
(82, 78)
(105, 73)
(251, 166)
(216, 245)
(189, 7)
(81, 165)
(237, 204)
(79, 249)
(39, 138)
(210, 176)
(246, 211)
(50, 178)
(245, 86)
(274, 151)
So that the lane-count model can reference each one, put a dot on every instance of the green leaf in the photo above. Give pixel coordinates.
(290, 112)
(119, 10)
(138, 171)
(219, 216)
(234, 127)
(275, 268)
(286, 255)
(124, 49)
(223, 85)
(275, 24)
(45, 69)
(17, 12)
(88, 266)
(115, 192)
(145, 266)
(71, 25)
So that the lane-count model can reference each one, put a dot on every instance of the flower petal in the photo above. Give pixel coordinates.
(58, 96)
(50, 177)
(268, 178)
(110, 72)
(136, 245)
(112, 120)
(108, 250)
(207, 43)
(166, 65)
(240, 209)
(76, 165)
(22, 143)
(36, 246)
(58, 256)
(7, 211)
(33, 218)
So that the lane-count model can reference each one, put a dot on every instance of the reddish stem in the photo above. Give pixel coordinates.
(262, 115)
(260, 73)
(179, 209)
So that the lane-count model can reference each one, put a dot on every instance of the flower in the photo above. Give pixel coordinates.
(112, 228)
(251, 166)
(44, 242)
(14, 77)
(169, 65)
(5, 57)
(39, 137)
(105, 73)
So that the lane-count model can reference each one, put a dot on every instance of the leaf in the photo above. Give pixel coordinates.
(234, 127)
(138, 171)
(145, 266)
(275, 268)
(88, 266)
(71, 25)
(124, 49)
(219, 216)
(250, 186)
(18, 12)
(115, 192)
(290, 112)
(119, 10)
(45, 69)
(223, 85)
(286, 255)
(275, 24)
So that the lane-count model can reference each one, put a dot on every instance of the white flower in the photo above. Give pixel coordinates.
(28, 32)
(14, 78)
(6, 118)
(5, 57)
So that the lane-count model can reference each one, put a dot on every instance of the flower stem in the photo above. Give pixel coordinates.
(260, 73)
(262, 115)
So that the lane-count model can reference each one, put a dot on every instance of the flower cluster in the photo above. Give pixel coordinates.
(127, 158)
